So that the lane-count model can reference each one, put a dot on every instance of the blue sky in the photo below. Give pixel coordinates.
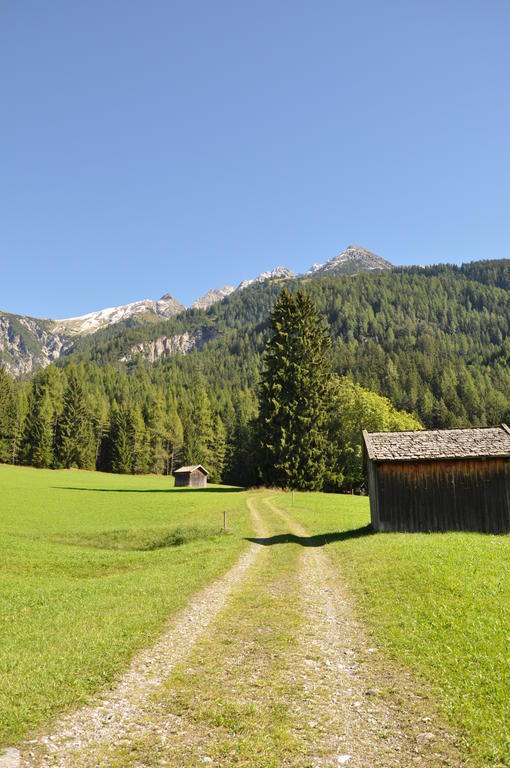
(158, 146)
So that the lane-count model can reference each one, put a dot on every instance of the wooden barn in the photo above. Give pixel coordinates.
(192, 477)
(439, 480)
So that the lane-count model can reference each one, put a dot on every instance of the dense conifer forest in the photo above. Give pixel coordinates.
(433, 342)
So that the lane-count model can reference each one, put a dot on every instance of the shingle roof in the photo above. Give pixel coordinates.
(192, 469)
(438, 444)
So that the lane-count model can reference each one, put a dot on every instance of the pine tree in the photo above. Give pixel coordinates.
(141, 442)
(242, 451)
(20, 414)
(100, 426)
(121, 440)
(7, 417)
(38, 436)
(217, 451)
(173, 439)
(155, 426)
(198, 429)
(293, 395)
(74, 435)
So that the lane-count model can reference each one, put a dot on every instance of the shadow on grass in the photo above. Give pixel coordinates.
(148, 490)
(313, 541)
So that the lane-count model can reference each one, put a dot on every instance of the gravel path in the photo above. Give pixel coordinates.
(118, 716)
(363, 712)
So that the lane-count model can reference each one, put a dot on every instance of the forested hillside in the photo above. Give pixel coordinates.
(434, 341)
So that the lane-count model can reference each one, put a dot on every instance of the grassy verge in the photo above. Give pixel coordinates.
(439, 603)
(91, 565)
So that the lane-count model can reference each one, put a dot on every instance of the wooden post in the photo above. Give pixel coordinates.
(224, 520)
(293, 497)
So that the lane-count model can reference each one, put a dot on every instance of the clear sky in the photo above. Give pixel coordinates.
(161, 146)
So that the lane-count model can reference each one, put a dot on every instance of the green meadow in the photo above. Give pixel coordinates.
(91, 566)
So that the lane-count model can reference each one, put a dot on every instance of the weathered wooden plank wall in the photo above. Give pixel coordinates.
(462, 494)
(195, 479)
(198, 479)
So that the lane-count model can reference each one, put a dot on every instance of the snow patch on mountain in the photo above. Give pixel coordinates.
(82, 325)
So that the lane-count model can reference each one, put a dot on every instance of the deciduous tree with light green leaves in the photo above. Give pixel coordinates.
(351, 410)
(293, 395)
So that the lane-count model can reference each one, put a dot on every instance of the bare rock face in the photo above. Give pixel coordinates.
(27, 344)
(213, 297)
(351, 261)
(165, 346)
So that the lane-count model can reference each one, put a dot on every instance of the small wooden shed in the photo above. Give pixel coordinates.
(439, 480)
(192, 477)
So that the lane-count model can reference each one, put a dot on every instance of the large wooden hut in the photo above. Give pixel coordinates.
(439, 480)
(192, 477)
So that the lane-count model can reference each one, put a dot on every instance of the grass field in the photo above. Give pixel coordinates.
(439, 603)
(91, 565)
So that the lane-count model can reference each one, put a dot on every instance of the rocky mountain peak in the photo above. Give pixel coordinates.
(354, 259)
(212, 297)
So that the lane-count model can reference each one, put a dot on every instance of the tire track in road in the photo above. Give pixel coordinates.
(364, 712)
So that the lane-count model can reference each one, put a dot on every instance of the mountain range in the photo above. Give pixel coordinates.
(28, 343)
(434, 340)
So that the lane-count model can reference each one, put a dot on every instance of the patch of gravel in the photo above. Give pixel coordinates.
(120, 715)
(360, 709)
(9, 758)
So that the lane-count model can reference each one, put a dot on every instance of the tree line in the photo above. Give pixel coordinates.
(149, 420)
(435, 342)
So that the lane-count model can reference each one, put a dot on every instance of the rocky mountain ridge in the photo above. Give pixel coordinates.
(29, 343)
(166, 306)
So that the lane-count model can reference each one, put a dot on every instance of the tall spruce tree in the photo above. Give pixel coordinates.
(122, 440)
(173, 439)
(218, 451)
(141, 442)
(7, 417)
(293, 395)
(198, 428)
(74, 434)
(21, 408)
(38, 435)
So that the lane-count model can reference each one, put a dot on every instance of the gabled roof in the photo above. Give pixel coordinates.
(438, 444)
(191, 469)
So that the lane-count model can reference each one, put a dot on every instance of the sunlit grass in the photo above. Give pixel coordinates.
(439, 603)
(91, 565)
